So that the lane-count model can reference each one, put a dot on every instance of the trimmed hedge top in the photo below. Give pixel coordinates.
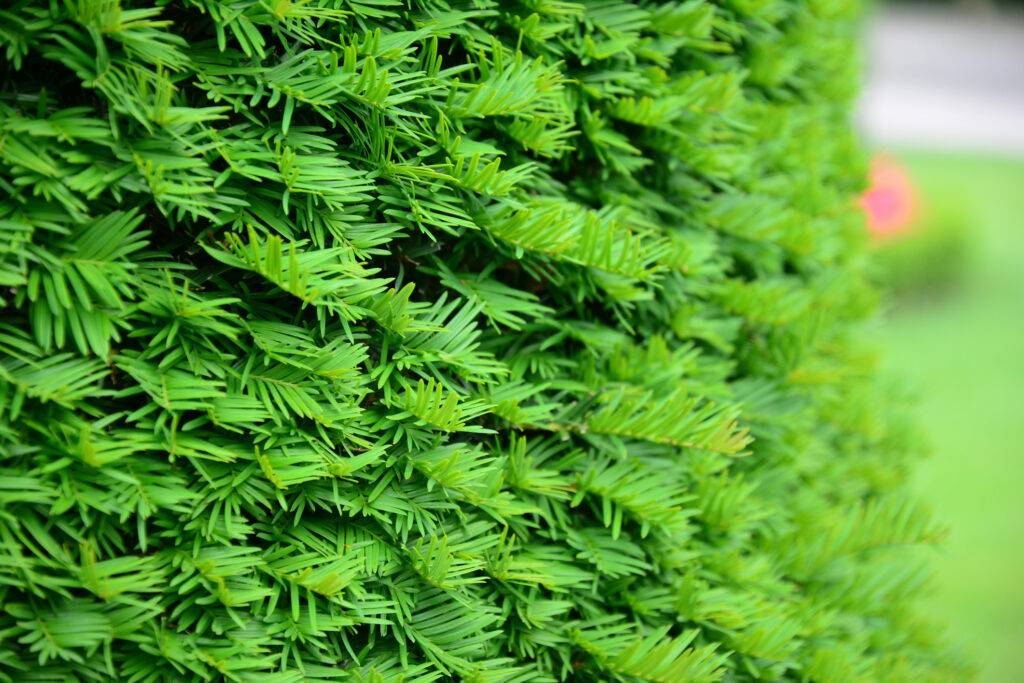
(369, 340)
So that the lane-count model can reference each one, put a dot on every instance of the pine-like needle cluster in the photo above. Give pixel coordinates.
(497, 341)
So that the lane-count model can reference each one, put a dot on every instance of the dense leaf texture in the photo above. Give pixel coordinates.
(377, 340)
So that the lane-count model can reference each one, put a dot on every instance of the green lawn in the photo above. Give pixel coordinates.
(962, 346)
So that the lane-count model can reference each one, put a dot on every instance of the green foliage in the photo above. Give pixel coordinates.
(496, 341)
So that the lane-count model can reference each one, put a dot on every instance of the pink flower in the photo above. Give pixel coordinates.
(890, 201)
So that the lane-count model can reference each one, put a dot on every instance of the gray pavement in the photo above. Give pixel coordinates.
(951, 79)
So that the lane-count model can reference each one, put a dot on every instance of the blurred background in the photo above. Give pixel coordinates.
(943, 110)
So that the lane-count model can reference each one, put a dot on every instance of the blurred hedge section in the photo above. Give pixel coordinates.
(417, 341)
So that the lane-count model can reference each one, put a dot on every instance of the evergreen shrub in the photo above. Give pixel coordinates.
(482, 340)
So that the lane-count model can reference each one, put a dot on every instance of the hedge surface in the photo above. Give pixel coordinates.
(371, 340)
